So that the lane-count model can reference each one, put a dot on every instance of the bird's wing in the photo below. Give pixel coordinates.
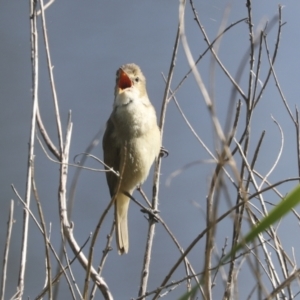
(111, 155)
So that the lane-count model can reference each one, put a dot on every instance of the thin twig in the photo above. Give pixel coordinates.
(275, 19)
(198, 78)
(202, 143)
(90, 147)
(297, 125)
(257, 68)
(51, 76)
(283, 284)
(45, 135)
(206, 39)
(271, 186)
(41, 230)
(6, 249)
(172, 284)
(213, 62)
(139, 188)
(43, 225)
(72, 277)
(46, 6)
(202, 55)
(193, 243)
(79, 165)
(210, 219)
(274, 277)
(277, 82)
(252, 46)
(278, 156)
(219, 258)
(63, 271)
(106, 250)
(154, 215)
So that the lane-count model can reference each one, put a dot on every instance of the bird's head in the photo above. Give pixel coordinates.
(130, 79)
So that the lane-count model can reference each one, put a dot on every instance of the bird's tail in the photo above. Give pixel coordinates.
(121, 210)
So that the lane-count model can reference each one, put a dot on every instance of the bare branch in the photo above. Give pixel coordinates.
(6, 250)
(34, 63)
(45, 135)
(50, 69)
(237, 87)
(151, 228)
(43, 225)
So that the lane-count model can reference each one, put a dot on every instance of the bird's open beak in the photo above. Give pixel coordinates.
(124, 81)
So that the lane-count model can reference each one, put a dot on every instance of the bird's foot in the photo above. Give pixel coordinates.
(152, 214)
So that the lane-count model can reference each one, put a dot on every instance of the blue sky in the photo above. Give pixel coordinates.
(88, 42)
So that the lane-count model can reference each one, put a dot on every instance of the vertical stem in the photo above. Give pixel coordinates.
(6, 251)
(151, 228)
(34, 62)
(248, 4)
(298, 139)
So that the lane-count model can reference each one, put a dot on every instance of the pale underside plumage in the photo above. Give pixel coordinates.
(131, 143)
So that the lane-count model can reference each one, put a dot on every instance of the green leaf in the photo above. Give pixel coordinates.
(291, 200)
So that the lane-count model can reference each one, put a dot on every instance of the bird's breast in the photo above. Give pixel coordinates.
(134, 119)
(138, 156)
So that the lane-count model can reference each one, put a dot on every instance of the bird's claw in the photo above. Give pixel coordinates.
(152, 213)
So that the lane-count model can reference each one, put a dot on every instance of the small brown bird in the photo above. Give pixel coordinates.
(130, 143)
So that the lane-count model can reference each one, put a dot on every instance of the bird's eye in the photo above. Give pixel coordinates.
(136, 79)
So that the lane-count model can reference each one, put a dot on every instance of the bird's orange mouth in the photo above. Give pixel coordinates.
(124, 80)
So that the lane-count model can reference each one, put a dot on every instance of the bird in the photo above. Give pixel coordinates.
(131, 143)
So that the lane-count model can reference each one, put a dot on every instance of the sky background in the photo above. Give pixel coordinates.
(89, 40)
